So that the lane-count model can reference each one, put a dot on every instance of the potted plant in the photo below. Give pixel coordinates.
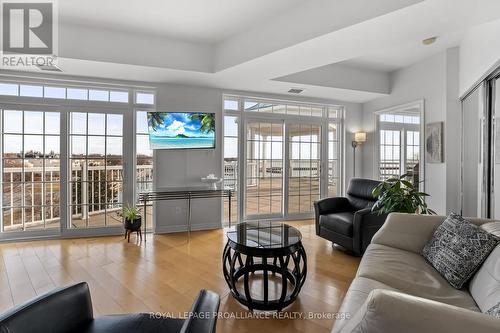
(132, 219)
(397, 194)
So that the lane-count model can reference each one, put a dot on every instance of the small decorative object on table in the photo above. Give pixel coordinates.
(132, 221)
(211, 180)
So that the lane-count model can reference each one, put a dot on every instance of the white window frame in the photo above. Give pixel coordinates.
(64, 106)
(324, 120)
(418, 105)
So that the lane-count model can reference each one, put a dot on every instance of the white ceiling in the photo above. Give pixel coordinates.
(206, 21)
(335, 49)
(400, 56)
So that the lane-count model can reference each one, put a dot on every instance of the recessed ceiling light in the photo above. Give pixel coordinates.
(295, 90)
(429, 41)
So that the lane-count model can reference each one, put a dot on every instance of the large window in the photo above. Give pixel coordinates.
(305, 165)
(96, 162)
(65, 167)
(276, 161)
(70, 93)
(390, 154)
(264, 169)
(231, 168)
(333, 159)
(399, 145)
(30, 170)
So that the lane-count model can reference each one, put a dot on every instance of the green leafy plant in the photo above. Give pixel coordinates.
(397, 194)
(130, 212)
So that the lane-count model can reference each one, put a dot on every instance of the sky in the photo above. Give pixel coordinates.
(112, 124)
(179, 123)
(36, 124)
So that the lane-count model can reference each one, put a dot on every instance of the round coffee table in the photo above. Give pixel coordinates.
(256, 249)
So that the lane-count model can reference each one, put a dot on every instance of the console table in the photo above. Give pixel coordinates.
(184, 193)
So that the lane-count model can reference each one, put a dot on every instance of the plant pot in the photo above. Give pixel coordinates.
(133, 225)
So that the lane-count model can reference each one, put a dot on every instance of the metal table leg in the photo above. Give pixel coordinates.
(145, 220)
(229, 197)
(189, 216)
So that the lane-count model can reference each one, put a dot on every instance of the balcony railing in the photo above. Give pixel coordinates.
(269, 168)
(96, 196)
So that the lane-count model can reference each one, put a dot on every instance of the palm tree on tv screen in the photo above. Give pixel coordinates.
(155, 120)
(207, 121)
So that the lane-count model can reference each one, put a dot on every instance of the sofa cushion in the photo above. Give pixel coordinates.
(458, 248)
(492, 228)
(356, 295)
(408, 272)
(485, 285)
(339, 222)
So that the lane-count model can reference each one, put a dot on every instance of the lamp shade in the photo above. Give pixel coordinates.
(360, 136)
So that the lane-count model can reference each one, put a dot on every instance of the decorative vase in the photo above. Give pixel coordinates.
(133, 225)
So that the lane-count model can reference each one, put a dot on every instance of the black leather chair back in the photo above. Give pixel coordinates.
(359, 192)
(62, 310)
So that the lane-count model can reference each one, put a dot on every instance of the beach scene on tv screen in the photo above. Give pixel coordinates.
(178, 130)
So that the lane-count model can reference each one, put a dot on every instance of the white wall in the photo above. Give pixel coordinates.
(424, 80)
(453, 135)
(479, 53)
(186, 167)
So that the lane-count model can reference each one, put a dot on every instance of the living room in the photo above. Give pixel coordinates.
(250, 165)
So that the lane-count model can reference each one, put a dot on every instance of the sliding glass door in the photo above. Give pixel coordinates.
(96, 169)
(495, 153)
(304, 167)
(272, 190)
(71, 156)
(474, 171)
(280, 157)
(30, 169)
(264, 169)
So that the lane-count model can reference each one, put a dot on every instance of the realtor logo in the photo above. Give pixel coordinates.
(29, 32)
(27, 28)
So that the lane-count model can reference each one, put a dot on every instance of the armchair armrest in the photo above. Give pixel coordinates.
(203, 315)
(387, 311)
(330, 206)
(366, 223)
(61, 310)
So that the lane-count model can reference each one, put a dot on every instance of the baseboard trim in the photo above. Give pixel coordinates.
(166, 229)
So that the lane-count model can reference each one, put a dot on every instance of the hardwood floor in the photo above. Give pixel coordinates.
(166, 274)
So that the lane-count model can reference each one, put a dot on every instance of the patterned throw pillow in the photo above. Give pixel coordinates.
(494, 311)
(458, 248)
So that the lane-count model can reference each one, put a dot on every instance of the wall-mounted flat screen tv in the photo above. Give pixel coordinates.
(181, 130)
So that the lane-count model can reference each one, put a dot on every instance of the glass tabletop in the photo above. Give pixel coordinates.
(264, 234)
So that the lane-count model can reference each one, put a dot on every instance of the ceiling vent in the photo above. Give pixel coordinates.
(295, 90)
(49, 68)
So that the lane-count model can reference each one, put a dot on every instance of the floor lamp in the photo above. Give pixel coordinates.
(359, 138)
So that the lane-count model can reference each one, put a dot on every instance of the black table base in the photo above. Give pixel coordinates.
(290, 264)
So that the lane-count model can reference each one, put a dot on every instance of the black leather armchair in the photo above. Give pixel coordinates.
(70, 310)
(348, 221)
